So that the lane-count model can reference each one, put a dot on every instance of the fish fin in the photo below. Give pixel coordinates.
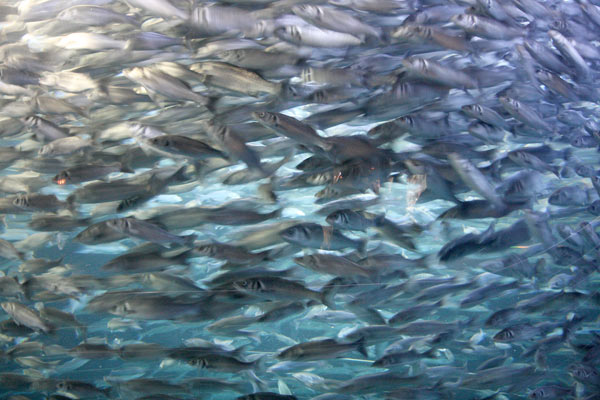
(126, 169)
(431, 353)
(362, 247)
(189, 239)
(327, 296)
(362, 349)
(283, 388)
(380, 220)
(258, 385)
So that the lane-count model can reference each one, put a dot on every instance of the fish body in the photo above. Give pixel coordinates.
(319, 237)
(147, 231)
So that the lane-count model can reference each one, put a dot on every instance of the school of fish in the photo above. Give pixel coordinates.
(298, 199)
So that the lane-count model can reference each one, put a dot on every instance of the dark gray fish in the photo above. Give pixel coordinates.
(144, 230)
(320, 237)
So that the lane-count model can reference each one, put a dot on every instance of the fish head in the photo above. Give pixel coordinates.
(559, 197)
(161, 141)
(265, 117)
(556, 36)
(7, 306)
(594, 208)
(198, 362)
(412, 31)
(505, 335)
(119, 224)
(232, 56)
(406, 122)
(296, 233)
(308, 11)
(338, 219)
(62, 178)
(463, 20)
(381, 363)
(474, 109)
(517, 156)
(583, 372)
(21, 201)
(122, 309)
(289, 32)
(30, 121)
(293, 92)
(341, 2)
(328, 191)
(67, 15)
(291, 353)
(580, 141)
(45, 150)
(64, 386)
(207, 250)
(306, 260)
(133, 73)
(252, 285)
(538, 393)
(415, 63)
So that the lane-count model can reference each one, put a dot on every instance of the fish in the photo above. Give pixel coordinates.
(144, 230)
(320, 350)
(89, 172)
(276, 288)
(317, 236)
(23, 315)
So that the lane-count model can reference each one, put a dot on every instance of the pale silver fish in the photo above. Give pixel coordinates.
(24, 315)
(309, 35)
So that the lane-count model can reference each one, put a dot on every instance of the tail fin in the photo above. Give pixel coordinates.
(362, 247)
(567, 154)
(189, 239)
(431, 353)
(360, 346)
(258, 385)
(556, 170)
(327, 296)
(380, 220)
(71, 202)
(125, 168)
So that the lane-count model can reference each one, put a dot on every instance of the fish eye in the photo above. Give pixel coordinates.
(243, 283)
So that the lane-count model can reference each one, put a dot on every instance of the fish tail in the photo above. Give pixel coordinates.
(276, 213)
(71, 201)
(431, 353)
(360, 346)
(567, 154)
(556, 170)
(258, 385)
(107, 392)
(189, 239)
(380, 220)
(327, 296)
(125, 168)
(362, 247)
